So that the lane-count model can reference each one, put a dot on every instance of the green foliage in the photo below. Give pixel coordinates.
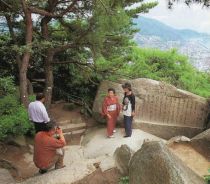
(75, 85)
(113, 31)
(13, 116)
(15, 124)
(8, 62)
(6, 86)
(124, 180)
(93, 37)
(167, 66)
(8, 105)
(207, 177)
(32, 98)
(143, 8)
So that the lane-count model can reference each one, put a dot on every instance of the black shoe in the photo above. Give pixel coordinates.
(126, 136)
(42, 171)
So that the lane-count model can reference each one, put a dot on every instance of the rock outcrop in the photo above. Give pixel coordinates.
(201, 143)
(204, 136)
(161, 109)
(122, 157)
(96, 144)
(5, 177)
(155, 164)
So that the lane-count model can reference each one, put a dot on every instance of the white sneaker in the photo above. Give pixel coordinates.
(114, 131)
(111, 136)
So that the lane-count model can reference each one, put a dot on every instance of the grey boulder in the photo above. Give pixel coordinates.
(155, 164)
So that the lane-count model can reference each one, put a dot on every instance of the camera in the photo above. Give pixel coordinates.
(57, 136)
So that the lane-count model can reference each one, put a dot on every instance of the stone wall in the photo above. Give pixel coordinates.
(161, 109)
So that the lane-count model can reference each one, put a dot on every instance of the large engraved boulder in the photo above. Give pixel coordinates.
(155, 164)
(161, 109)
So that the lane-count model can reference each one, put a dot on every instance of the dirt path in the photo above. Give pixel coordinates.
(60, 113)
(191, 157)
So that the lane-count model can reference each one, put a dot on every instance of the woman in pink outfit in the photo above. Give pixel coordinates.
(111, 109)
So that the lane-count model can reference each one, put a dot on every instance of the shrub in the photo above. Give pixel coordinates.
(15, 124)
(13, 116)
(8, 105)
(124, 180)
(168, 66)
(207, 177)
(6, 86)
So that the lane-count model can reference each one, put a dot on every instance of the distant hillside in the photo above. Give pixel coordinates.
(155, 34)
(154, 27)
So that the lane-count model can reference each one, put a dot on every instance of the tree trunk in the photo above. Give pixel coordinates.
(48, 66)
(23, 86)
(23, 67)
(48, 78)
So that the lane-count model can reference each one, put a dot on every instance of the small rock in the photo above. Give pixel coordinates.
(178, 139)
(96, 165)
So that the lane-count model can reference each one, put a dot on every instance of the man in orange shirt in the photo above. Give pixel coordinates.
(46, 147)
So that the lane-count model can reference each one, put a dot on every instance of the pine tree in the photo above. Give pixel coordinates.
(93, 35)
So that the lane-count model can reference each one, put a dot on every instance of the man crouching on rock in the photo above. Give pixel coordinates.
(48, 148)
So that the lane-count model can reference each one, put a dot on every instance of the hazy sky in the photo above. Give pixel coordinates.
(181, 16)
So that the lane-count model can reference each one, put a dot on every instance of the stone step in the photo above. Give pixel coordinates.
(72, 126)
(73, 129)
(70, 121)
(81, 131)
(64, 122)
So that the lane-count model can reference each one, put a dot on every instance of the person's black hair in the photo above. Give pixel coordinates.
(50, 125)
(40, 96)
(127, 85)
(111, 89)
